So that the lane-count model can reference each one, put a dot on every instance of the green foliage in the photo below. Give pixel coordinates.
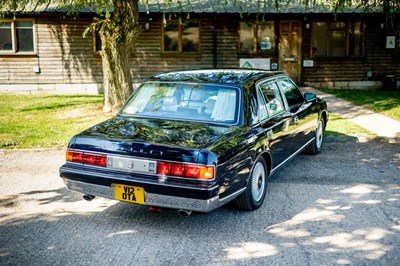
(49, 121)
(340, 129)
(384, 102)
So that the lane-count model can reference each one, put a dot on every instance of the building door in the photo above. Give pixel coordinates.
(290, 48)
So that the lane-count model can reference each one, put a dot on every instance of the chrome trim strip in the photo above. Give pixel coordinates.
(142, 159)
(90, 189)
(151, 199)
(291, 156)
(232, 196)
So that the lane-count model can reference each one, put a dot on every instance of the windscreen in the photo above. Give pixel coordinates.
(193, 102)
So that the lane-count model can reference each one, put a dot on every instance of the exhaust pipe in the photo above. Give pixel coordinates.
(88, 197)
(184, 213)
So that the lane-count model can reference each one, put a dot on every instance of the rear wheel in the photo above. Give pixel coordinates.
(253, 197)
(315, 146)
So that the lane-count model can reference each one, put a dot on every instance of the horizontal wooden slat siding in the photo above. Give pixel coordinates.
(148, 59)
(63, 55)
(227, 42)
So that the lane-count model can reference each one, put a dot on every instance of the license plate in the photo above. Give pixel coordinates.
(129, 193)
(131, 164)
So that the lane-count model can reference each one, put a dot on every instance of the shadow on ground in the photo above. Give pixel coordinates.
(340, 207)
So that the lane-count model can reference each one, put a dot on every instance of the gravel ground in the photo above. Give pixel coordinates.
(341, 207)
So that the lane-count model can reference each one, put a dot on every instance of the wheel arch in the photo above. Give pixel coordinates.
(268, 160)
(324, 115)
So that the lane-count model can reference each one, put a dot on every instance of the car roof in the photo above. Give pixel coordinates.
(237, 77)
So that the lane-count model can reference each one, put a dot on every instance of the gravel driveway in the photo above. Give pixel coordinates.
(340, 207)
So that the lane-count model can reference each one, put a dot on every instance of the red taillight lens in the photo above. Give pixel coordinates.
(101, 161)
(177, 169)
(193, 171)
(76, 157)
(163, 168)
(91, 159)
(183, 170)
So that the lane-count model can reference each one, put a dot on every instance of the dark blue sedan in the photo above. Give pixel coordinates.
(195, 140)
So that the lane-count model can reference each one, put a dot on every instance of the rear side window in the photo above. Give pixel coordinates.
(271, 102)
(292, 93)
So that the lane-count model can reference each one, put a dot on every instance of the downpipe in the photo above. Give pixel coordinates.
(88, 197)
(184, 213)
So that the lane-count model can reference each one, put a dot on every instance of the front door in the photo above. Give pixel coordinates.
(290, 48)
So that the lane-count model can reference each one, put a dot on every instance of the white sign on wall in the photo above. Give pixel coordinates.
(261, 63)
(390, 41)
(308, 63)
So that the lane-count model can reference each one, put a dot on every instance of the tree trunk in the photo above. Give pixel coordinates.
(118, 36)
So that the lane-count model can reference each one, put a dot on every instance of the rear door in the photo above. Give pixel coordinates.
(303, 114)
(275, 120)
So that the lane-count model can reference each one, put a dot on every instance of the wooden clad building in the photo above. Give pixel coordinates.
(43, 51)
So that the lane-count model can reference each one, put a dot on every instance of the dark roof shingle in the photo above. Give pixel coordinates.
(212, 6)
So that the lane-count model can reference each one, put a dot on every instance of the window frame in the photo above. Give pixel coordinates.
(262, 102)
(346, 28)
(282, 89)
(255, 50)
(180, 44)
(96, 35)
(238, 101)
(14, 40)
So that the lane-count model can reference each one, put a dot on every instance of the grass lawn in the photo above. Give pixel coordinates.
(340, 129)
(49, 121)
(384, 102)
(46, 121)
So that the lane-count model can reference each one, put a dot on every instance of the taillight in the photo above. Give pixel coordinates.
(84, 158)
(178, 169)
(185, 170)
(76, 157)
(94, 159)
(163, 168)
(203, 172)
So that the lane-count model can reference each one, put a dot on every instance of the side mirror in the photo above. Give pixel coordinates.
(309, 97)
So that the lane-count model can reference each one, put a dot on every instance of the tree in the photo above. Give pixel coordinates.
(119, 28)
(118, 34)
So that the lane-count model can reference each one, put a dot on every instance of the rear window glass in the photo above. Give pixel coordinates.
(179, 101)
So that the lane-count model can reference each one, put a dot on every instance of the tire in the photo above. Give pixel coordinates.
(315, 146)
(253, 197)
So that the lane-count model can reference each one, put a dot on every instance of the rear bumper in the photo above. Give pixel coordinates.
(158, 195)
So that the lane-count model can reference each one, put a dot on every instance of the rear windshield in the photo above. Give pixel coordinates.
(179, 101)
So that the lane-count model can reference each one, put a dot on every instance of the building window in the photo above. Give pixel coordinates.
(257, 37)
(16, 36)
(337, 38)
(96, 41)
(181, 37)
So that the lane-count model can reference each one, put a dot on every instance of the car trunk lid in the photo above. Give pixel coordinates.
(149, 138)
